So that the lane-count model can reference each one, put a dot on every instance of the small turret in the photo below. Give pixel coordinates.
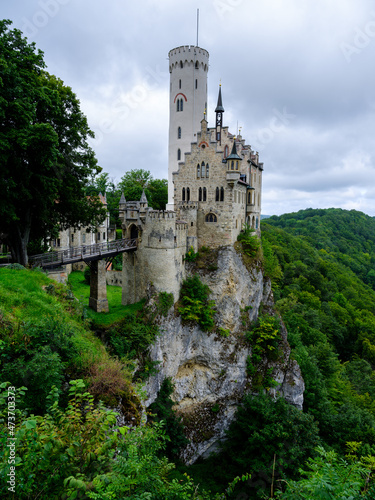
(122, 200)
(143, 201)
(233, 170)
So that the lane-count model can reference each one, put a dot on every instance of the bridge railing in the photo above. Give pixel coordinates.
(82, 252)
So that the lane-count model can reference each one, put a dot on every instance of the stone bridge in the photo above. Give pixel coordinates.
(97, 257)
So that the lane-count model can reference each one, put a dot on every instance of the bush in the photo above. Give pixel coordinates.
(265, 429)
(165, 302)
(109, 381)
(130, 336)
(87, 274)
(195, 305)
(163, 410)
(249, 241)
(191, 256)
(264, 339)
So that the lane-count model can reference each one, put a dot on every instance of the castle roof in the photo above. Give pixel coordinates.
(234, 155)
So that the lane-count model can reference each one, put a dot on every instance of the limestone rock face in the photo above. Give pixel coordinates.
(209, 370)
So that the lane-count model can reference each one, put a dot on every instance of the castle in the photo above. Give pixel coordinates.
(214, 186)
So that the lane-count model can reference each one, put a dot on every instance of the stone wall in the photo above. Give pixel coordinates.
(159, 259)
(201, 187)
(114, 278)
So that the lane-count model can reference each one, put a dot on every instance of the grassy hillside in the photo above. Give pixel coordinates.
(45, 340)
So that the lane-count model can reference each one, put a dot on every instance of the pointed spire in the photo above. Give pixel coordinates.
(234, 155)
(219, 107)
(122, 199)
(143, 197)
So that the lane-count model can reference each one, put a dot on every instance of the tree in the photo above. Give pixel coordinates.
(44, 154)
(330, 476)
(135, 181)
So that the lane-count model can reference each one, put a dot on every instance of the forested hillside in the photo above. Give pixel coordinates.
(321, 263)
(323, 269)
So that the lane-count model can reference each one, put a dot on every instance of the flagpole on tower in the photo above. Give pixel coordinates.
(197, 25)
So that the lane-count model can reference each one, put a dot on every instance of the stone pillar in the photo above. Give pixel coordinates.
(98, 286)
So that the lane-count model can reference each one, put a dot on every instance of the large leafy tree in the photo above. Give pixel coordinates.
(135, 181)
(45, 159)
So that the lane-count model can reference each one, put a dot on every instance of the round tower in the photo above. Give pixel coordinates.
(188, 68)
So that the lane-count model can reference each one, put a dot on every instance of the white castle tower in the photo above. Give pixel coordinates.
(188, 68)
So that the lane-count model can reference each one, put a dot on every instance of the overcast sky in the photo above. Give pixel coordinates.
(298, 76)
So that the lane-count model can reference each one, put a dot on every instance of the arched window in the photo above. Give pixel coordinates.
(232, 165)
(200, 194)
(181, 64)
(226, 151)
(183, 194)
(179, 133)
(256, 223)
(197, 65)
(236, 165)
(217, 196)
(187, 194)
(207, 171)
(198, 171)
(181, 104)
(178, 154)
(211, 218)
(133, 231)
(204, 194)
(178, 105)
(222, 194)
(203, 171)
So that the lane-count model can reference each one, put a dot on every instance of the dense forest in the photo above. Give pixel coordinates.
(54, 371)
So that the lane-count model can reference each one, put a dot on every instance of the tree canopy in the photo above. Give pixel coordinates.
(44, 154)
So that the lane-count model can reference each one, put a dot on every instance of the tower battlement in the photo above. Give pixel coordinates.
(161, 214)
(186, 51)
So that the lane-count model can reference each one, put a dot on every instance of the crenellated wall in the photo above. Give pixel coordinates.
(159, 259)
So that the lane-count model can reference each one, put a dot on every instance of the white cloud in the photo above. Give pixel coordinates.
(270, 55)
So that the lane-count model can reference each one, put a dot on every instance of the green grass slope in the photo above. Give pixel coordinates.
(45, 340)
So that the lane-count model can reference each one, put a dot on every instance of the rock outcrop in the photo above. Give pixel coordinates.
(209, 370)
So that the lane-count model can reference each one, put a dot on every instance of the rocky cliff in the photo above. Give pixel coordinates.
(208, 369)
